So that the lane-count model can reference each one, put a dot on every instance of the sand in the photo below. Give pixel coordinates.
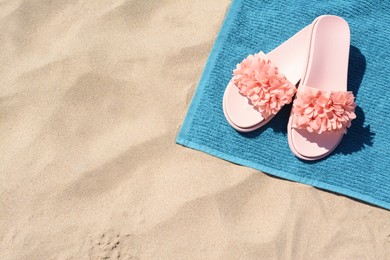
(92, 94)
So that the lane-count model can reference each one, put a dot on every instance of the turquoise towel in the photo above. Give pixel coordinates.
(360, 166)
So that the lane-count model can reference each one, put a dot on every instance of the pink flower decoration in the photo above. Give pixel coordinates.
(323, 111)
(260, 81)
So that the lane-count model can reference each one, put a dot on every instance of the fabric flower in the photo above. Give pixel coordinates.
(323, 111)
(260, 81)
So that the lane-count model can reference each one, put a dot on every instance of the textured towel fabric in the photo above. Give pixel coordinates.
(360, 166)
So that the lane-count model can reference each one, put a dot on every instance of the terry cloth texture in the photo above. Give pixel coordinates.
(360, 166)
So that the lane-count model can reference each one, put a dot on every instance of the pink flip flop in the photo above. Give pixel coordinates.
(263, 83)
(323, 108)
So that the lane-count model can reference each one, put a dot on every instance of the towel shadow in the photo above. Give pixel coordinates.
(359, 136)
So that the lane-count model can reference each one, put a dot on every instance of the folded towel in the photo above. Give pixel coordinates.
(360, 166)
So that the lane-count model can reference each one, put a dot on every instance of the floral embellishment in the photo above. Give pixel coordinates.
(261, 82)
(323, 111)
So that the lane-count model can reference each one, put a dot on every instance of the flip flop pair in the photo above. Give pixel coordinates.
(317, 58)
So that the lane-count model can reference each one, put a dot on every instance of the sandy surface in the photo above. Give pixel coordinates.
(91, 98)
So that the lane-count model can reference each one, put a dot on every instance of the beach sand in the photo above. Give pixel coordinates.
(92, 95)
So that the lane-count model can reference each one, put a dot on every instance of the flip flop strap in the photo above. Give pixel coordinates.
(261, 82)
(323, 111)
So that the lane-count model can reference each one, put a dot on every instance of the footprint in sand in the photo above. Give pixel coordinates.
(110, 245)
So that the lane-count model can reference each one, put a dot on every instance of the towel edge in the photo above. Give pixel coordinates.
(278, 173)
(229, 17)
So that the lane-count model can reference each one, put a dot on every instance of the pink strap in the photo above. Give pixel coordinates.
(323, 111)
(261, 82)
